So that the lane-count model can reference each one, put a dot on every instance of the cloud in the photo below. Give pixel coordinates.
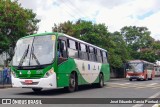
(152, 23)
(114, 13)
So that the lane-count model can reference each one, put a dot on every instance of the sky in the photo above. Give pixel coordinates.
(115, 14)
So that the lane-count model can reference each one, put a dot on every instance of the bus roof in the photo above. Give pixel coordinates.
(134, 61)
(62, 34)
(83, 42)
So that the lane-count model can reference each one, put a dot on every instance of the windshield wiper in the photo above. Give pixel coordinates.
(34, 56)
(23, 57)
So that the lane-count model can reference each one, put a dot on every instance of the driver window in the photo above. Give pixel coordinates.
(62, 51)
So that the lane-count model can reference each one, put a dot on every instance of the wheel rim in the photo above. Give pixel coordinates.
(101, 81)
(72, 82)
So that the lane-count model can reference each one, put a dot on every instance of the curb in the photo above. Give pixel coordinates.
(5, 86)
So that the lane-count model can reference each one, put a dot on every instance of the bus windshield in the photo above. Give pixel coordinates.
(135, 67)
(33, 51)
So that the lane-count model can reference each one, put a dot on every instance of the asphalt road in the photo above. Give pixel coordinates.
(115, 88)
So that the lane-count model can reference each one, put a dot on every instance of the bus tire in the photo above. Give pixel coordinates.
(101, 80)
(150, 78)
(72, 82)
(130, 79)
(36, 89)
(146, 78)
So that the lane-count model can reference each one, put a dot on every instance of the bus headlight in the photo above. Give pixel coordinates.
(50, 72)
(13, 73)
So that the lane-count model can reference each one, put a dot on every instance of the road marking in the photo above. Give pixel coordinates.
(153, 84)
(139, 87)
(156, 105)
(115, 87)
(156, 87)
(153, 96)
(133, 85)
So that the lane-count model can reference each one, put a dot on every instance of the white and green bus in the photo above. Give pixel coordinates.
(54, 60)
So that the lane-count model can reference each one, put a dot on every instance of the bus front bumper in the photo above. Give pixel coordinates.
(49, 82)
(135, 77)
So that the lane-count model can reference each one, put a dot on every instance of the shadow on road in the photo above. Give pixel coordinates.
(60, 91)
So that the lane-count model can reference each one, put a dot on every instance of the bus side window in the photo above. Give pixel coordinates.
(72, 48)
(145, 66)
(92, 54)
(83, 52)
(99, 58)
(104, 54)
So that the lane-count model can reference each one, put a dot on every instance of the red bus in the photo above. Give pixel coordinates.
(140, 70)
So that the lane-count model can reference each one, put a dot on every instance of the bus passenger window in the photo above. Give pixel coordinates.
(72, 49)
(91, 54)
(104, 54)
(83, 52)
(99, 58)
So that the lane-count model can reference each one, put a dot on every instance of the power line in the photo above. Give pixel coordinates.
(72, 8)
(83, 14)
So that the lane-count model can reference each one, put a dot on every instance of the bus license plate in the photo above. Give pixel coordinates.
(28, 81)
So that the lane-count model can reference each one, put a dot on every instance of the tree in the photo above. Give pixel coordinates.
(15, 22)
(137, 37)
(98, 35)
(139, 43)
(119, 51)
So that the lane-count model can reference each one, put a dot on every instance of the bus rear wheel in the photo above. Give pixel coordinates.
(150, 78)
(36, 89)
(146, 78)
(73, 83)
(101, 80)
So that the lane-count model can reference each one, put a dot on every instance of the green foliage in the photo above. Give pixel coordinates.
(140, 44)
(98, 35)
(119, 51)
(131, 42)
(15, 22)
(136, 37)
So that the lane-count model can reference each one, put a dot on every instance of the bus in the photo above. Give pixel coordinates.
(55, 60)
(157, 70)
(140, 70)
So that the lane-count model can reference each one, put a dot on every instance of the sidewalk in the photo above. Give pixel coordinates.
(5, 86)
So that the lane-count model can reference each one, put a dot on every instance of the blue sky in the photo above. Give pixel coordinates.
(114, 13)
(143, 16)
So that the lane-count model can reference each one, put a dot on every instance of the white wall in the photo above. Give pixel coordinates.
(3, 57)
